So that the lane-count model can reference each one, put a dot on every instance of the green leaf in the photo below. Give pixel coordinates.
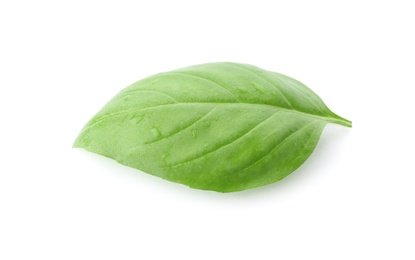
(219, 126)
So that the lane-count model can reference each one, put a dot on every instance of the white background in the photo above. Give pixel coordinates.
(61, 61)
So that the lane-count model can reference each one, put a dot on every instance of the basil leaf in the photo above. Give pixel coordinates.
(219, 126)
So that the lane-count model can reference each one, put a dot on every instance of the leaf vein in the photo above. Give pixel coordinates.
(276, 147)
(311, 98)
(200, 77)
(330, 119)
(186, 127)
(145, 90)
(262, 77)
(226, 144)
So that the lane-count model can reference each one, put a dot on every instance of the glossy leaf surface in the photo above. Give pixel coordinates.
(219, 126)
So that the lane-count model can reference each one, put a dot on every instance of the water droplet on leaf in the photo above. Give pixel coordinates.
(155, 131)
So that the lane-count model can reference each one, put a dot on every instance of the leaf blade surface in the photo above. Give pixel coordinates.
(219, 126)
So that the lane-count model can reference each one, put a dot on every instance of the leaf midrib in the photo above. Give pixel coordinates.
(324, 118)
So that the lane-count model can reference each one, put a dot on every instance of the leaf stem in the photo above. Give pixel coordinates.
(340, 121)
